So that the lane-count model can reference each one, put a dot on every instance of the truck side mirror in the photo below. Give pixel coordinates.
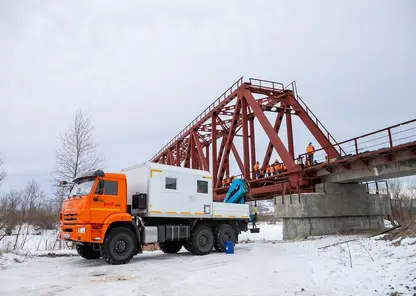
(100, 187)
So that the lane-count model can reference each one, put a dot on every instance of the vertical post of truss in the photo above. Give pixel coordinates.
(214, 149)
(290, 134)
(194, 152)
(178, 154)
(246, 152)
(252, 146)
(207, 156)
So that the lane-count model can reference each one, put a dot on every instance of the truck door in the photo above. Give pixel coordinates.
(106, 200)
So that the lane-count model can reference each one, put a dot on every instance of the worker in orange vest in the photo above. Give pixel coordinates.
(256, 170)
(310, 150)
(276, 167)
(262, 171)
(226, 181)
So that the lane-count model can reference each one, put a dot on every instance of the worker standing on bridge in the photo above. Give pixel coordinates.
(276, 166)
(311, 151)
(262, 171)
(256, 170)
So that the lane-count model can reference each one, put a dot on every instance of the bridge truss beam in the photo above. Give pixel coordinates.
(209, 141)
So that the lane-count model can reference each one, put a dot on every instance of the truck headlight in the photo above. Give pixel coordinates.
(81, 230)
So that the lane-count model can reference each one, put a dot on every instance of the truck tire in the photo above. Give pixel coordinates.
(223, 233)
(201, 240)
(87, 252)
(119, 246)
(170, 247)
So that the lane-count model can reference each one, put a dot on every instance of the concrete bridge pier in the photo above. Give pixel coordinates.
(334, 209)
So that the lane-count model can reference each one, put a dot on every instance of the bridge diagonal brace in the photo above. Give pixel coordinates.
(268, 128)
(313, 128)
(237, 157)
(170, 157)
(201, 157)
(276, 127)
(230, 138)
(188, 154)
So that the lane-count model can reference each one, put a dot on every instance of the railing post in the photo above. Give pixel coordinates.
(356, 147)
(390, 139)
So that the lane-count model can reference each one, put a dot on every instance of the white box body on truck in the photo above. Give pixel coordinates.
(178, 192)
(174, 207)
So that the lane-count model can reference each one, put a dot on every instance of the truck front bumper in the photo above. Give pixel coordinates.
(83, 233)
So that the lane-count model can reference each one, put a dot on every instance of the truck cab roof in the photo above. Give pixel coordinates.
(100, 173)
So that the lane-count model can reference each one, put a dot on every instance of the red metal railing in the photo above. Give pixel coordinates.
(266, 84)
(395, 136)
(203, 114)
(383, 140)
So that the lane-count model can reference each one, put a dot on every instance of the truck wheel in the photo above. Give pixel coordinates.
(223, 233)
(201, 241)
(87, 252)
(170, 247)
(119, 246)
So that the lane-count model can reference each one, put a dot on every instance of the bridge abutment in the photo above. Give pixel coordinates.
(332, 209)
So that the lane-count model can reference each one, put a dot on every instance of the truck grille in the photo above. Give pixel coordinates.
(70, 217)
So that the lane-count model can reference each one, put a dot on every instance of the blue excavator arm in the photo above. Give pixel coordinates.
(237, 194)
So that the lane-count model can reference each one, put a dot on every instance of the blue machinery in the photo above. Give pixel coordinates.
(237, 194)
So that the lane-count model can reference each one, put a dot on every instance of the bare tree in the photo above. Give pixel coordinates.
(403, 201)
(77, 153)
(2, 173)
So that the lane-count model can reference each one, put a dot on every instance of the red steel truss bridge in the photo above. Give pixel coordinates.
(209, 143)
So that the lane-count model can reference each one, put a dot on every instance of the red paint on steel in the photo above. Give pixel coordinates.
(252, 147)
(290, 134)
(277, 143)
(276, 127)
(233, 117)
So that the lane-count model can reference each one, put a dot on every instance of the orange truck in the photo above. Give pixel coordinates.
(112, 215)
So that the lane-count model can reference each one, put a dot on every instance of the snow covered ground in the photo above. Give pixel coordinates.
(265, 266)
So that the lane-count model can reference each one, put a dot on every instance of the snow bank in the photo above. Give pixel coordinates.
(32, 240)
(362, 267)
(268, 233)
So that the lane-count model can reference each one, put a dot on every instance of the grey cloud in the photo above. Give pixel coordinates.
(143, 70)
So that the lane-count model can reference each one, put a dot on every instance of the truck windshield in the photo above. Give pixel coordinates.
(82, 187)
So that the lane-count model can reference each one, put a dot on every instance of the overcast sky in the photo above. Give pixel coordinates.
(143, 69)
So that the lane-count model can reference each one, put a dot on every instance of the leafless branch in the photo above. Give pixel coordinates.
(2, 173)
(77, 153)
(403, 202)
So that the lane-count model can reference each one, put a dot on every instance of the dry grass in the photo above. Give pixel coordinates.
(408, 229)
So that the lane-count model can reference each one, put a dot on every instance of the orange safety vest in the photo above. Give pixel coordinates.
(277, 167)
(256, 167)
(310, 149)
(262, 171)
